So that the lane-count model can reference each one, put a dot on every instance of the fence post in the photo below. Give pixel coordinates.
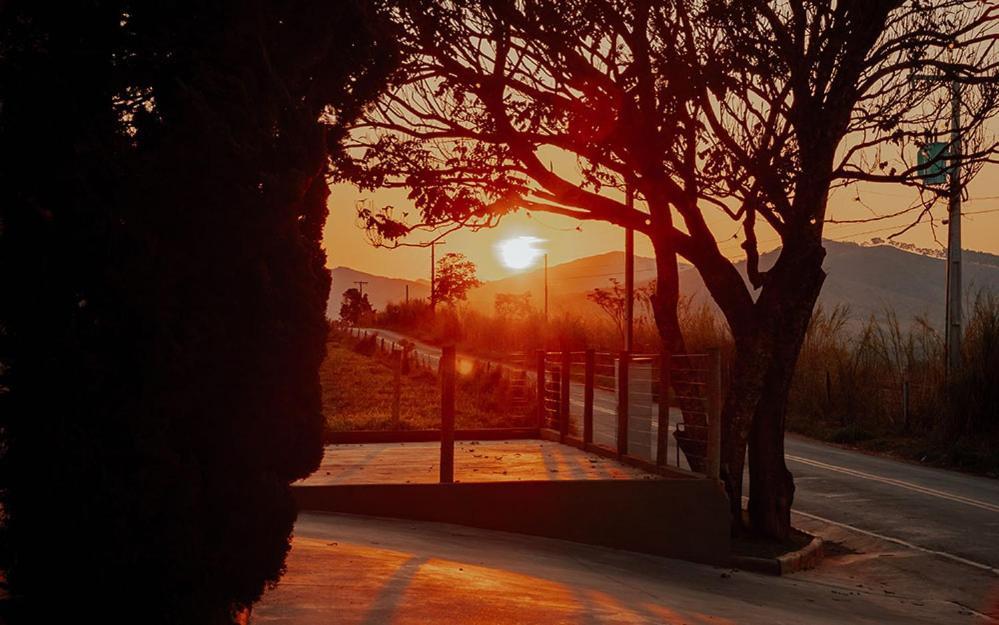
(662, 435)
(406, 356)
(623, 365)
(540, 371)
(588, 376)
(713, 460)
(447, 414)
(396, 386)
(563, 403)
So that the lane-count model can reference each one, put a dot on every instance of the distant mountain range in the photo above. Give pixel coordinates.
(567, 283)
(872, 279)
(380, 289)
(867, 279)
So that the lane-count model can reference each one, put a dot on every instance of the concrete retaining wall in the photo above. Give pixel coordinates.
(682, 518)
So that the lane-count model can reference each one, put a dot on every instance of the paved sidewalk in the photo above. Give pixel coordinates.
(362, 570)
(474, 461)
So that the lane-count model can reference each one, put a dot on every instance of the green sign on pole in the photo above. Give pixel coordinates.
(933, 163)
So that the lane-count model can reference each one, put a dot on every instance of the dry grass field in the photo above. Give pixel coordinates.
(357, 395)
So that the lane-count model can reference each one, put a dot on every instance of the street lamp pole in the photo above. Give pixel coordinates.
(433, 274)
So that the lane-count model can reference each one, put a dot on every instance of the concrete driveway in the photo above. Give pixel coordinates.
(363, 570)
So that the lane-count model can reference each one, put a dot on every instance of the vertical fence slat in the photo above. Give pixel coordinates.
(563, 401)
(713, 461)
(665, 381)
(588, 379)
(396, 386)
(447, 414)
(623, 364)
(540, 371)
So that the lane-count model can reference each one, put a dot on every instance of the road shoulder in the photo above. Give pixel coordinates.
(873, 566)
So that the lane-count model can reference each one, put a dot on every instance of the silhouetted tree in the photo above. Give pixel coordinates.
(513, 305)
(163, 170)
(455, 277)
(613, 301)
(713, 112)
(355, 306)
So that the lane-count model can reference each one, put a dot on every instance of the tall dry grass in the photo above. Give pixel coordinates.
(876, 382)
(887, 385)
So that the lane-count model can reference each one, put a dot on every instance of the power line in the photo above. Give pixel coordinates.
(981, 212)
(577, 228)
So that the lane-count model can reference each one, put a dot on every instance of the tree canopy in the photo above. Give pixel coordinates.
(711, 112)
(355, 306)
(455, 277)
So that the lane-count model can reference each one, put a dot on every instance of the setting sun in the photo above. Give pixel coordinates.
(519, 252)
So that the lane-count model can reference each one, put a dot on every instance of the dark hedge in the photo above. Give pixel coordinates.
(163, 186)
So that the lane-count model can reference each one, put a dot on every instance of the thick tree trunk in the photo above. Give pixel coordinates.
(771, 485)
(784, 309)
(744, 392)
(766, 351)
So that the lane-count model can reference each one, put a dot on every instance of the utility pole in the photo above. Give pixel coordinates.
(952, 321)
(954, 234)
(546, 286)
(433, 273)
(360, 286)
(407, 293)
(629, 275)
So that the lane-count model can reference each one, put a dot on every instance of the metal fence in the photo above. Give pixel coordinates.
(613, 402)
(610, 402)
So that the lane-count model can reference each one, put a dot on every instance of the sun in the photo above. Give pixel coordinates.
(519, 252)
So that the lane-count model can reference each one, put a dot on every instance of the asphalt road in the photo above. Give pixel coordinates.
(950, 514)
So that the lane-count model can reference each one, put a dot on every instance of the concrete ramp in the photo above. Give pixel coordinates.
(682, 518)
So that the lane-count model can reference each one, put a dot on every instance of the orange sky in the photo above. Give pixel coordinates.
(346, 243)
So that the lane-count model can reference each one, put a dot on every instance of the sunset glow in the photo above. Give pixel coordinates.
(519, 252)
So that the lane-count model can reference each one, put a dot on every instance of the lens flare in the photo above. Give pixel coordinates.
(519, 252)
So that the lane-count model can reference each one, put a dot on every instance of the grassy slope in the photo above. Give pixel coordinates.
(357, 395)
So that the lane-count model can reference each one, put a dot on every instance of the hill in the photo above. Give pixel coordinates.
(872, 279)
(567, 282)
(867, 279)
(380, 289)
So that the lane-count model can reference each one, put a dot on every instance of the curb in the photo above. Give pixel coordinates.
(803, 559)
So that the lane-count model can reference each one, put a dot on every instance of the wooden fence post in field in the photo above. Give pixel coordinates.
(713, 460)
(623, 364)
(397, 356)
(447, 414)
(406, 355)
(563, 395)
(588, 378)
(540, 371)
